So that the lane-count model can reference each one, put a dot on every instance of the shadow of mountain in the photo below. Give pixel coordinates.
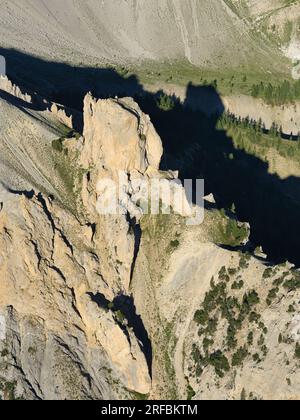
(192, 143)
(63, 83)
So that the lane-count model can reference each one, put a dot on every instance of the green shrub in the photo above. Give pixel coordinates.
(166, 102)
(212, 326)
(211, 298)
(254, 317)
(272, 295)
(278, 282)
(201, 317)
(57, 145)
(4, 353)
(267, 273)
(292, 284)
(231, 337)
(297, 351)
(219, 362)
(207, 343)
(190, 393)
(239, 357)
(137, 396)
(256, 358)
(120, 316)
(250, 338)
(251, 298)
(32, 350)
(232, 233)
(222, 273)
(196, 354)
(9, 388)
(198, 371)
(238, 285)
(174, 244)
(261, 341)
(244, 262)
(232, 271)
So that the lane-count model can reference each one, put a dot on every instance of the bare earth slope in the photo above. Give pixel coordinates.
(205, 32)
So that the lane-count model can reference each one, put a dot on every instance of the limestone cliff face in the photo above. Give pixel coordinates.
(62, 341)
(97, 305)
(119, 137)
(120, 146)
(66, 330)
(62, 332)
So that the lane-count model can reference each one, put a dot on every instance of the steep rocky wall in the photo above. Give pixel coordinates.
(66, 274)
(58, 335)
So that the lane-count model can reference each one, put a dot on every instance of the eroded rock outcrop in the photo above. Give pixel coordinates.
(121, 154)
(54, 269)
(7, 86)
(61, 113)
(57, 336)
(62, 273)
(119, 137)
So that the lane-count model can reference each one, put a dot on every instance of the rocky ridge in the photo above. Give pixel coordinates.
(75, 267)
(100, 306)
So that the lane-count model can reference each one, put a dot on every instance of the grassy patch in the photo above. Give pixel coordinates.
(227, 80)
(190, 393)
(8, 389)
(297, 351)
(229, 231)
(70, 175)
(4, 353)
(171, 341)
(57, 145)
(137, 396)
